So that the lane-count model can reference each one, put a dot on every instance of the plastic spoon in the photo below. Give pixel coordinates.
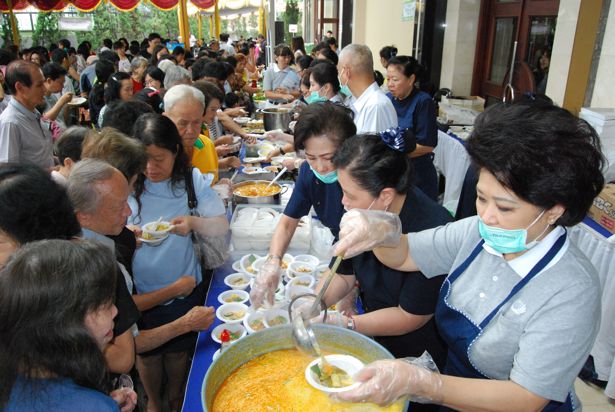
(277, 176)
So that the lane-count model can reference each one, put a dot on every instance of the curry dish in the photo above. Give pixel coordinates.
(257, 189)
(276, 382)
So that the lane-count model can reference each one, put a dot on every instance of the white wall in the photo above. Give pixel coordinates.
(604, 87)
(378, 23)
(459, 45)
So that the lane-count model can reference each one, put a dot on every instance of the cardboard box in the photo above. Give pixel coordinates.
(603, 209)
(470, 102)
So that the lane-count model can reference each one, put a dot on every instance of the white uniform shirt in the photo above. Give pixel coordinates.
(373, 111)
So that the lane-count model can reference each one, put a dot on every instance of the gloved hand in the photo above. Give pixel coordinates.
(385, 381)
(362, 230)
(266, 283)
(333, 318)
(348, 304)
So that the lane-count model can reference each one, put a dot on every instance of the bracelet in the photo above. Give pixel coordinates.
(350, 325)
(270, 256)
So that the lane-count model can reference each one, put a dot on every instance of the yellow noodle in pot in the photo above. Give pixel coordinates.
(257, 189)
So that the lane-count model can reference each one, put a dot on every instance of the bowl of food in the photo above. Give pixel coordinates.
(233, 296)
(232, 312)
(292, 291)
(255, 322)
(312, 260)
(276, 317)
(157, 229)
(236, 331)
(238, 281)
(246, 263)
(257, 192)
(151, 240)
(237, 266)
(335, 374)
(242, 121)
(299, 268)
(253, 170)
(306, 281)
(321, 270)
(272, 169)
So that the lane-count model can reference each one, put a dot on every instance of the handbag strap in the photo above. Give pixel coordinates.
(192, 201)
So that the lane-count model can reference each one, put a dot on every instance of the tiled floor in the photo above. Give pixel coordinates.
(593, 398)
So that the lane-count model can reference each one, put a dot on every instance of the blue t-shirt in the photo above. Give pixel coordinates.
(50, 395)
(418, 113)
(155, 267)
(325, 198)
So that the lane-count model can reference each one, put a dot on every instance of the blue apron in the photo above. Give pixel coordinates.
(460, 333)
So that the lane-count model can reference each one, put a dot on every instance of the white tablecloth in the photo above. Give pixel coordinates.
(451, 160)
(601, 253)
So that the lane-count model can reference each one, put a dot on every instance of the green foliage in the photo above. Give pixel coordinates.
(46, 30)
(291, 15)
(7, 33)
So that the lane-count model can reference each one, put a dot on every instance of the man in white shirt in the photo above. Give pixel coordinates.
(225, 46)
(373, 110)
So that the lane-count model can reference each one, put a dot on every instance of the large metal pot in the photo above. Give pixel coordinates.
(276, 118)
(330, 338)
(258, 200)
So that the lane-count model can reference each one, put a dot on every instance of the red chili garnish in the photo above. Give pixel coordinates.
(225, 336)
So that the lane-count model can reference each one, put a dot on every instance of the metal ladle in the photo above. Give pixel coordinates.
(303, 335)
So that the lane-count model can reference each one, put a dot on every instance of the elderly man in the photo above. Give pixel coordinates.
(373, 110)
(99, 193)
(23, 137)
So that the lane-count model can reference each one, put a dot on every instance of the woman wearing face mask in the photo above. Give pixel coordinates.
(416, 111)
(520, 307)
(374, 172)
(324, 84)
(316, 187)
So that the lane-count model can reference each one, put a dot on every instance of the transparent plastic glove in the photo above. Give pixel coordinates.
(348, 304)
(265, 284)
(385, 381)
(363, 230)
(333, 318)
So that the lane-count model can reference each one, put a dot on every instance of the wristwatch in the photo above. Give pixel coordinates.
(350, 325)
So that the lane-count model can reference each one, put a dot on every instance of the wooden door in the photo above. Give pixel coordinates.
(531, 23)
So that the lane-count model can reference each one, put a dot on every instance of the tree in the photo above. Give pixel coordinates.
(7, 33)
(46, 30)
(291, 15)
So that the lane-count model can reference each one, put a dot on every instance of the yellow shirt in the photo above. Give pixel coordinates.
(204, 156)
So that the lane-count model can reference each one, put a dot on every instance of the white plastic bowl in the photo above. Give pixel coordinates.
(312, 260)
(232, 281)
(237, 266)
(231, 327)
(294, 291)
(272, 314)
(242, 294)
(223, 310)
(154, 242)
(299, 268)
(347, 363)
(151, 228)
(307, 281)
(245, 264)
(254, 316)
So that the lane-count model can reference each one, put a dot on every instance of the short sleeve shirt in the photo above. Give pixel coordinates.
(325, 198)
(275, 78)
(157, 267)
(373, 111)
(543, 335)
(417, 112)
(383, 287)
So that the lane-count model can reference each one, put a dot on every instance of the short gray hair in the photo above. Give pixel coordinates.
(84, 177)
(176, 75)
(182, 92)
(136, 62)
(359, 57)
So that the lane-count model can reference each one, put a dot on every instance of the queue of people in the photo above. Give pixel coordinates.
(504, 304)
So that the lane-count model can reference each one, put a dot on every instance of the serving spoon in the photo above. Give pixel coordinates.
(277, 176)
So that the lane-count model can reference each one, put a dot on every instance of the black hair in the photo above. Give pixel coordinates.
(338, 127)
(109, 55)
(46, 290)
(210, 91)
(71, 51)
(6, 56)
(387, 52)
(331, 41)
(155, 73)
(297, 43)
(52, 47)
(373, 165)
(232, 60)
(84, 50)
(318, 47)
(282, 49)
(154, 59)
(378, 78)
(114, 85)
(19, 71)
(53, 71)
(216, 70)
(58, 56)
(408, 65)
(305, 79)
(329, 55)
(231, 100)
(153, 36)
(542, 153)
(69, 144)
(304, 62)
(124, 153)
(326, 73)
(198, 68)
(224, 37)
(65, 43)
(49, 214)
(108, 43)
(188, 63)
(160, 131)
(147, 96)
(104, 69)
(134, 48)
(119, 45)
(125, 41)
(178, 50)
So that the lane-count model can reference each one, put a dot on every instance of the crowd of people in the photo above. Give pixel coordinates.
(504, 304)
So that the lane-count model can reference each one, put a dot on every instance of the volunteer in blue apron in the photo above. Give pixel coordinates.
(520, 308)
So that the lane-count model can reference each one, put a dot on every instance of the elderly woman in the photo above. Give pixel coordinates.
(519, 309)
(60, 287)
(138, 65)
(280, 82)
(316, 187)
(161, 191)
(415, 111)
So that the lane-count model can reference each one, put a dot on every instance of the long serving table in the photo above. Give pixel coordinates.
(205, 346)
